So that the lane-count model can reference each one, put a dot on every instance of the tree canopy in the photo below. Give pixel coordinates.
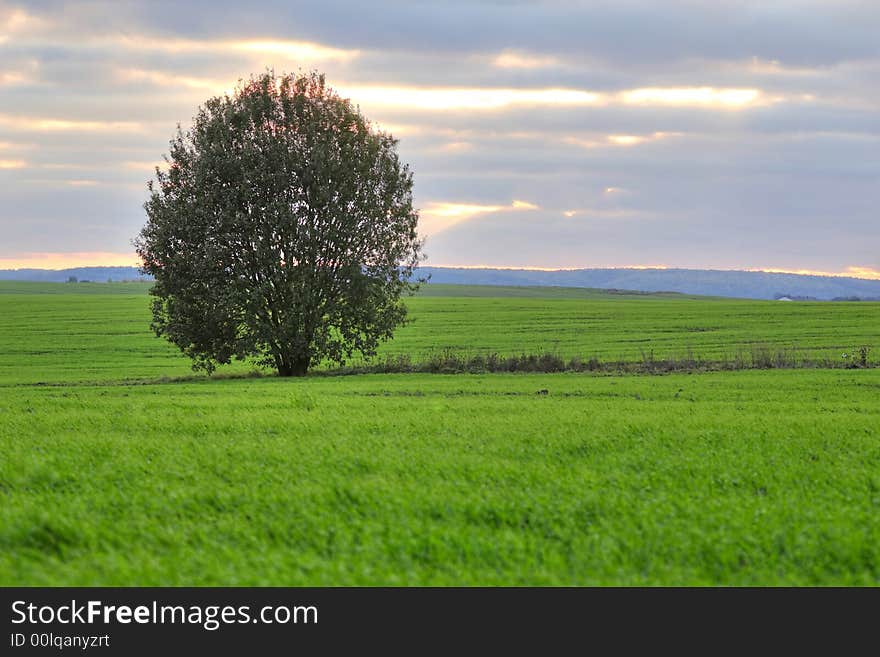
(282, 228)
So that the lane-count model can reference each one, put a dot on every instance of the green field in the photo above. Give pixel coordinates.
(96, 332)
(112, 475)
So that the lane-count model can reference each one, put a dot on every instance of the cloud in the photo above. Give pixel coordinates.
(728, 134)
(65, 125)
(293, 50)
(604, 141)
(440, 215)
(172, 80)
(850, 272)
(522, 60)
(604, 213)
(67, 260)
(445, 98)
(693, 97)
(464, 98)
(456, 147)
(862, 272)
(11, 77)
(15, 21)
(145, 165)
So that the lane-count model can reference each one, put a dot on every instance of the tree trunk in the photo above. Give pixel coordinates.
(300, 365)
(293, 366)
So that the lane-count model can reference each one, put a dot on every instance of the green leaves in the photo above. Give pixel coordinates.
(283, 229)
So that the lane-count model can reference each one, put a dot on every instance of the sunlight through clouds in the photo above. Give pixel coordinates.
(692, 96)
(438, 216)
(427, 98)
(436, 98)
(456, 147)
(863, 272)
(18, 21)
(514, 59)
(12, 78)
(459, 210)
(66, 125)
(290, 50)
(604, 141)
(849, 272)
(635, 140)
(171, 80)
(294, 50)
(63, 260)
(606, 213)
(145, 166)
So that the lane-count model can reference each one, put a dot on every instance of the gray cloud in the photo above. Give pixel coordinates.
(632, 31)
(91, 92)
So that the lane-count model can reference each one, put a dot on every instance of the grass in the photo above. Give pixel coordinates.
(110, 477)
(739, 478)
(99, 331)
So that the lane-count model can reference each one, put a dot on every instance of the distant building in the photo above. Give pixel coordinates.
(784, 299)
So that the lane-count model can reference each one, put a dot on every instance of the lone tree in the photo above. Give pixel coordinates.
(283, 229)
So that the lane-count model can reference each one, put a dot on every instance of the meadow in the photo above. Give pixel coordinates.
(119, 467)
(94, 332)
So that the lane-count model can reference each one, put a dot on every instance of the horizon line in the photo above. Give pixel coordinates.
(857, 273)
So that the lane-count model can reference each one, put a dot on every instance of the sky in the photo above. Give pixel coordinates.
(712, 134)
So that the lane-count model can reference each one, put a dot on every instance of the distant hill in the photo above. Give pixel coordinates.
(743, 284)
(93, 274)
